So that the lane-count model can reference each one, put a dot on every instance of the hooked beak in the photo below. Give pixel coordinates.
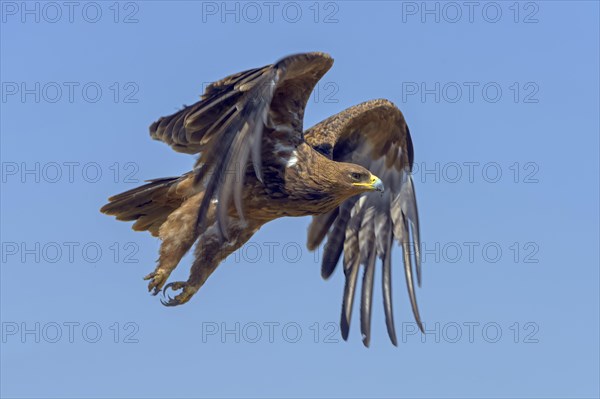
(375, 184)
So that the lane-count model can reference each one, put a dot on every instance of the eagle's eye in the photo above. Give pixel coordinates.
(356, 176)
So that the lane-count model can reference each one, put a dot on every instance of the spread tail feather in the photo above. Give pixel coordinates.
(149, 205)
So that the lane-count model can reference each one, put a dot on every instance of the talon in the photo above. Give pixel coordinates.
(171, 301)
(157, 280)
(180, 299)
(175, 285)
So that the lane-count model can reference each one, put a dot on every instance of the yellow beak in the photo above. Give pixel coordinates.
(374, 185)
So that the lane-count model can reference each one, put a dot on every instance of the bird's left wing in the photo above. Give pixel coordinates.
(226, 126)
(373, 134)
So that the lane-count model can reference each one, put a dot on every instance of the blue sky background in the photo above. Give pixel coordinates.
(527, 315)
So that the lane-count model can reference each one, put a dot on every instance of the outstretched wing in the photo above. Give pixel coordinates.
(373, 134)
(236, 119)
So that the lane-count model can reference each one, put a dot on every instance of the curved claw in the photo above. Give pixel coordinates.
(175, 285)
(170, 302)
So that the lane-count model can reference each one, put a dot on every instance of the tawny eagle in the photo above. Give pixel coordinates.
(256, 164)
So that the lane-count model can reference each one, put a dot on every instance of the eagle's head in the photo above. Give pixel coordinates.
(321, 184)
(359, 179)
(352, 179)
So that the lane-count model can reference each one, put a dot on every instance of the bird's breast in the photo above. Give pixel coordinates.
(292, 186)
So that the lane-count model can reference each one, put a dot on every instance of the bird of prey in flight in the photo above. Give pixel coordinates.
(256, 163)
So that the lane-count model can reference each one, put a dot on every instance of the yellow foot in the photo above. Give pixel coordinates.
(157, 278)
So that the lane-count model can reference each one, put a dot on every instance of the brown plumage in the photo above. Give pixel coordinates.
(256, 164)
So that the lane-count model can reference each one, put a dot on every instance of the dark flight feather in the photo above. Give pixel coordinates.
(372, 134)
(227, 126)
